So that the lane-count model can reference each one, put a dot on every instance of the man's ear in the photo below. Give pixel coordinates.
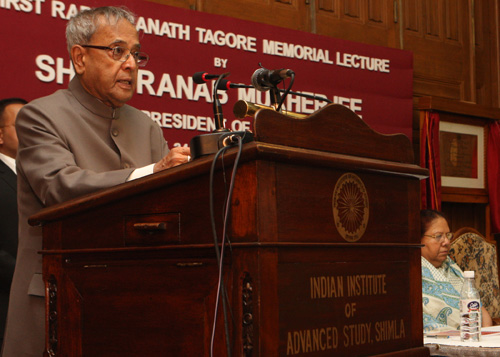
(1, 136)
(79, 56)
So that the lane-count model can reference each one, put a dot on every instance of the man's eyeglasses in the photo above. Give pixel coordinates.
(120, 54)
(441, 236)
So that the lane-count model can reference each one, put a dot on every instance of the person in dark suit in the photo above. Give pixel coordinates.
(8, 201)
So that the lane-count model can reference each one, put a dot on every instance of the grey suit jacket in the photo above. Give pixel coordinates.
(70, 144)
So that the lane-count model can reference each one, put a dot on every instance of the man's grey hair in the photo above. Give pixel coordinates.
(81, 27)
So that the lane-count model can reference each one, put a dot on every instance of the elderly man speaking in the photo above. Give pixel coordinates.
(77, 141)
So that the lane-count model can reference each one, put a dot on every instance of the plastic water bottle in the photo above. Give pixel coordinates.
(470, 310)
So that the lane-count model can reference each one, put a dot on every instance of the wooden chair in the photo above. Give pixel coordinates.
(470, 250)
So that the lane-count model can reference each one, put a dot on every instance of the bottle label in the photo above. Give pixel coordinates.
(470, 305)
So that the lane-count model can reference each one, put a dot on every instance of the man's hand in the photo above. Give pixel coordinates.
(176, 156)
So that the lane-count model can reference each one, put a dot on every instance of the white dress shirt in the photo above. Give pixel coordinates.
(10, 162)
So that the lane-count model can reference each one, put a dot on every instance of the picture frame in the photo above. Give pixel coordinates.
(462, 155)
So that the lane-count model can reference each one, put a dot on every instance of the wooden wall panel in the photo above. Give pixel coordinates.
(327, 5)
(486, 52)
(369, 21)
(452, 29)
(411, 15)
(377, 13)
(352, 9)
(293, 14)
(185, 4)
(439, 35)
(466, 215)
(430, 12)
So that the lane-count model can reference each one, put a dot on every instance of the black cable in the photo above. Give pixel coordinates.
(220, 254)
(211, 198)
(226, 296)
(225, 300)
(214, 231)
(226, 190)
(224, 237)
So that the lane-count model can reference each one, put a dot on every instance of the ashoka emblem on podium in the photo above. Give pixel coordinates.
(350, 207)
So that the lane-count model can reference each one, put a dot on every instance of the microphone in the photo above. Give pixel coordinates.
(202, 77)
(224, 84)
(211, 143)
(264, 79)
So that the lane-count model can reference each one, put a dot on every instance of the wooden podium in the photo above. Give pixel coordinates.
(324, 255)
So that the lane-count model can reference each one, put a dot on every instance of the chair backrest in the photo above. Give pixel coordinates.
(471, 251)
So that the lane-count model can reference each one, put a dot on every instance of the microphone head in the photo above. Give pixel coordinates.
(199, 77)
(224, 84)
(260, 79)
(203, 77)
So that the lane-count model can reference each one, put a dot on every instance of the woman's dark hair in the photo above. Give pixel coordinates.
(427, 216)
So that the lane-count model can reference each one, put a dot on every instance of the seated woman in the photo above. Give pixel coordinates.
(442, 278)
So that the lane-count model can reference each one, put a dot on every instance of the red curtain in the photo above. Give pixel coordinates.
(493, 165)
(430, 188)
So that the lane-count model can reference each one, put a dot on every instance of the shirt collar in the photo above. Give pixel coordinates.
(446, 264)
(90, 102)
(10, 162)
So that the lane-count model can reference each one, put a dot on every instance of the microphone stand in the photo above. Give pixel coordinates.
(206, 144)
(218, 116)
(275, 97)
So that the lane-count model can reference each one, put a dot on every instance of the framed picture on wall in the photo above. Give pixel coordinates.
(462, 155)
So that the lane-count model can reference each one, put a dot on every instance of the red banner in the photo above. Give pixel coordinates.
(375, 82)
